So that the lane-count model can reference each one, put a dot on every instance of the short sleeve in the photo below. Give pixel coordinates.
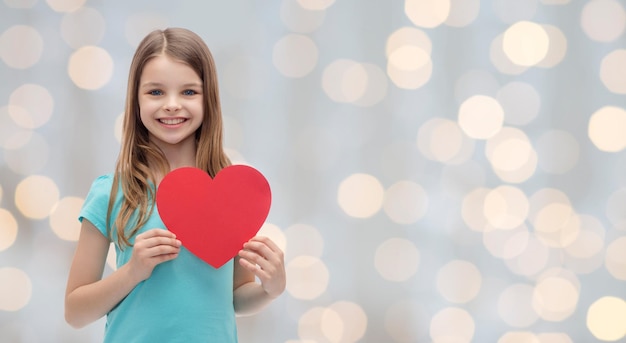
(96, 204)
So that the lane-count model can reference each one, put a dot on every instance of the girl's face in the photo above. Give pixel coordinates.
(170, 102)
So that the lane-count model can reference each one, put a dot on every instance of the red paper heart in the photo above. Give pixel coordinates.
(213, 218)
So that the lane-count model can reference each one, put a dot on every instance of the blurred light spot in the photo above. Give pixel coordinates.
(532, 260)
(590, 239)
(304, 240)
(459, 281)
(613, 71)
(299, 19)
(138, 25)
(506, 207)
(443, 140)
(452, 324)
(554, 337)
(360, 195)
(406, 321)
(545, 197)
(63, 218)
(21, 46)
(20, 3)
(84, 26)
(511, 154)
(235, 156)
(555, 299)
(307, 277)
(375, 86)
(480, 116)
(112, 257)
(15, 289)
(90, 67)
(408, 37)
(320, 324)
(396, 259)
(557, 48)
(274, 233)
(556, 225)
(408, 58)
(606, 128)
(520, 102)
(519, 337)
(118, 127)
(510, 11)
(603, 20)
(475, 82)
(409, 78)
(36, 196)
(29, 158)
(354, 321)
(13, 136)
(558, 151)
(615, 260)
(316, 5)
(8, 229)
(500, 59)
(346, 81)
(31, 106)
(405, 202)
(552, 217)
(65, 5)
(605, 318)
(525, 43)
(427, 13)
(615, 209)
(513, 169)
(506, 244)
(463, 12)
(515, 306)
(473, 209)
(295, 55)
(245, 77)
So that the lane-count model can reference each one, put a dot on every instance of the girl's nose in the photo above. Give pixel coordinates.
(172, 105)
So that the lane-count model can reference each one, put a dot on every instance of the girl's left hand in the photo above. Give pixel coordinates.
(265, 259)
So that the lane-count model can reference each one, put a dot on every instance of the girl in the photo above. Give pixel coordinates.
(160, 292)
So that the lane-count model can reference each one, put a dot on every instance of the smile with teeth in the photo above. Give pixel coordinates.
(172, 121)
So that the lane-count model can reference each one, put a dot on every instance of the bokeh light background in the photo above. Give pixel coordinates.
(443, 171)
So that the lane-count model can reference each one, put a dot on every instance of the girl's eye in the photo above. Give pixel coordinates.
(155, 92)
(189, 92)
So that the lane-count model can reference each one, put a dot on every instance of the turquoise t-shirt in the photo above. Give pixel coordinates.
(184, 300)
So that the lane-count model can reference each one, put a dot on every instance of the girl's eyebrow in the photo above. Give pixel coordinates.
(158, 84)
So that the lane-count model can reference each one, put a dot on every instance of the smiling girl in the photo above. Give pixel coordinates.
(160, 292)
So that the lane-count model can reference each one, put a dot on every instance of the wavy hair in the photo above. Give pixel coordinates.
(134, 174)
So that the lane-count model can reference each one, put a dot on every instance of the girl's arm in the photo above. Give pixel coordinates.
(260, 257)
(88, 297)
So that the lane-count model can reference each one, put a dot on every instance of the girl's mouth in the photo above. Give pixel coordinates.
(172, 121)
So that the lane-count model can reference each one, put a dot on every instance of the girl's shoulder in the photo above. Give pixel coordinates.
(102, 182)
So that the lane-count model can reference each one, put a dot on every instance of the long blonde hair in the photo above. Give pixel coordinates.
(133, 173)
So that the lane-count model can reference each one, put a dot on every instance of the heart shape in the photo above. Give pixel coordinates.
(213, 218)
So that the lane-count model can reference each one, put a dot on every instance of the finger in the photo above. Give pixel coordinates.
(164, 258)
(161, 250)
(156, 233)
(254, 268)
(261, 248)
(260, 262)
(155, 241)
(267, 241)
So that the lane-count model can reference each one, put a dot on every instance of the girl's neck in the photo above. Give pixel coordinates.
(180, 155)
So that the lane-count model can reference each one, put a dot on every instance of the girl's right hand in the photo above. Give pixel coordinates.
(152, 247)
